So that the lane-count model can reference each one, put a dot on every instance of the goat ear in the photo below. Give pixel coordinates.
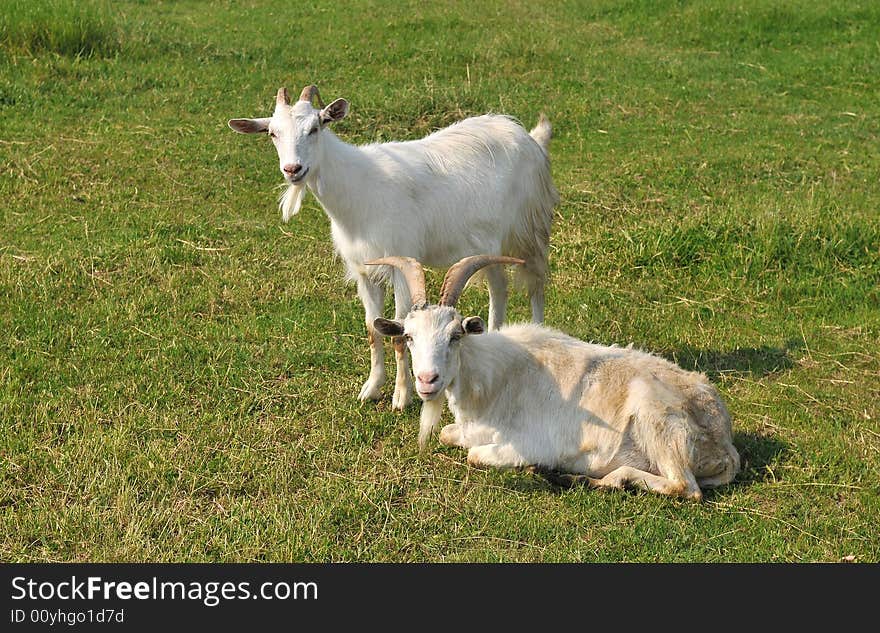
(387, 328)
(249, 126)
(336, 111)
(473, 325)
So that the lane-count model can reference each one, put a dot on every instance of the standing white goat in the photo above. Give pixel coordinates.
(528, 395)
(481, 185)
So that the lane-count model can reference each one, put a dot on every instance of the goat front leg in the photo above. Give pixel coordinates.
(403, 380)
(497, 455)
(466, 435)
(373, 297)
(452, 435)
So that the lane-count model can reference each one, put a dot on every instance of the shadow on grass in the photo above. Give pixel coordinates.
(757, 453)
(753, 361)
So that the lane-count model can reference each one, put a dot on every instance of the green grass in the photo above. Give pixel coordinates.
(81, 28)
(178, 369)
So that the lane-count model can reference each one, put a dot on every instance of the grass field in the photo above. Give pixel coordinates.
(179, 369)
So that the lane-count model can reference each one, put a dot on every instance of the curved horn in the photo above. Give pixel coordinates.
(282, 98)
(457, 276)
(311, 92)
(412, 272)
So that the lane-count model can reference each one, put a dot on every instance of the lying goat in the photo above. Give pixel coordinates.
(481, 185)
(528, 395)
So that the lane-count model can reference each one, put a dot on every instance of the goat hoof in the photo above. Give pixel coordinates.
(450, 435)
(401, 399)
(372, 390)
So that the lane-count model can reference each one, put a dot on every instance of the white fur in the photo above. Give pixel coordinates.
(527, 395)
(481, 185)
(291, 201)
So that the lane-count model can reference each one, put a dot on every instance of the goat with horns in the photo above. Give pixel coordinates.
(530, 396)
(481, 185)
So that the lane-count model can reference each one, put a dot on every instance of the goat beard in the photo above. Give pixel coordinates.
(291, 200)
(430, 418)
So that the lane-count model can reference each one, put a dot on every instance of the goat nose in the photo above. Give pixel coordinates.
(428, 377)
(292, 169)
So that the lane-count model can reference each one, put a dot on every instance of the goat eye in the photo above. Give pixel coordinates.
(272, 134)
(313, 130)
(455, 337)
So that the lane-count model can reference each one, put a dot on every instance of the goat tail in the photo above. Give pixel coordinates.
(542, 133)
(291, 201)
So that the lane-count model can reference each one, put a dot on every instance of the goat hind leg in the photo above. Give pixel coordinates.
(624, 475)
(497, 279)
(668, 430)
(536, 299)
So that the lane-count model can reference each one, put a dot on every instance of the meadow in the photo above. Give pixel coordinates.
(179, 369)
